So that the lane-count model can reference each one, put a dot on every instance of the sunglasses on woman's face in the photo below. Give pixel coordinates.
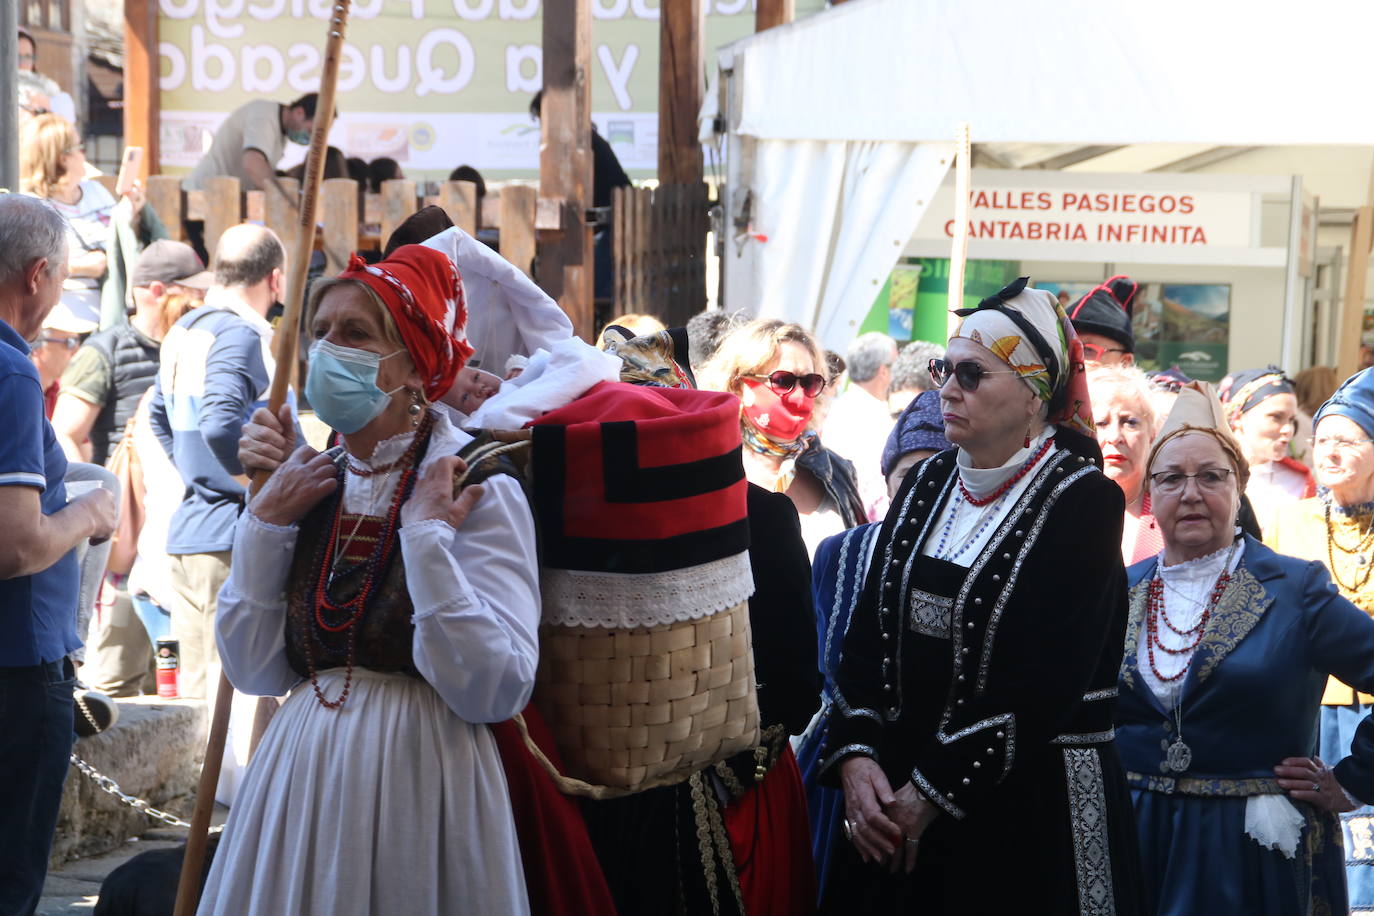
(783, 381)
(967, 373)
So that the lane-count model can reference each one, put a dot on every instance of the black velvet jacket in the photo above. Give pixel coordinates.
(1024, 658)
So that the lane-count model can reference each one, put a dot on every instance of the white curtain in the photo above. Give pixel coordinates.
(829, 222)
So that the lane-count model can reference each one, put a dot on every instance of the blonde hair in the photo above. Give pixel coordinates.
(43, 142)
(172, 307)
(750, 348)
(1104, 379)
(390, 332)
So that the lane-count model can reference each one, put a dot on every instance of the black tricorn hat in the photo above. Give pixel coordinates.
(1107, 310)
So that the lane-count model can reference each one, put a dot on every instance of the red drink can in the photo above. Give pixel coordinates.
(168, 664)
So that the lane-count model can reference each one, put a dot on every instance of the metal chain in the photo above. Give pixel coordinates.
(138, 804)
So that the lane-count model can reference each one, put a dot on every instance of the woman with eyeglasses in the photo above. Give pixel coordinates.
(52, 165)
(971, 728)
(1336, 528)
(1263, 410)
(1228, 650)
(777, 370)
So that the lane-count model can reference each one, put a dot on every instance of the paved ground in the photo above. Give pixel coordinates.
(74, 887)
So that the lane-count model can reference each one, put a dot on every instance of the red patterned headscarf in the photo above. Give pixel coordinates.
(422, 290)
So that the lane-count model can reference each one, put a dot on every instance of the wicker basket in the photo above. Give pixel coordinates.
(634, 709)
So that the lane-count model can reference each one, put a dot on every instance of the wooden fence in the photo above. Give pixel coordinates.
(659, 248)
(660, 251)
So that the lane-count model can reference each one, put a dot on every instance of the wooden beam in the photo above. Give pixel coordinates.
(142, 104)
(459, 200)
(518, 206)
(398, 204)
(339, 213)
(679, 91)
(223, 208)
(769, 13)
(167, 199)
(281, 216)
(565, 160)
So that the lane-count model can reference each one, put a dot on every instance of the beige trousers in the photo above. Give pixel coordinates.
(196, 579)
(117, 650)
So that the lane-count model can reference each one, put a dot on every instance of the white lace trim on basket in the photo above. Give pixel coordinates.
(631, 600)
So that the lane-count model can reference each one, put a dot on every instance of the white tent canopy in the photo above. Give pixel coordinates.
(840, 124)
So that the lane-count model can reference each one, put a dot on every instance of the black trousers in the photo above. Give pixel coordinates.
(35, 746)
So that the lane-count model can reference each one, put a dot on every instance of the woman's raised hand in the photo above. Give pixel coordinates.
(433, 496)
(866, 794)
(267, 439)
(295, 487)
(1308, 779)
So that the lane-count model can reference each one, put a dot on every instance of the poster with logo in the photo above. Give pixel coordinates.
(1175, 324)
(433, 84)
(913, 304)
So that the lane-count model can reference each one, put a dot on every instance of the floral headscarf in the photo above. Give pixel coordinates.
(1028, 330)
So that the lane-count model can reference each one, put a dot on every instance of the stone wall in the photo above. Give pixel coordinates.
(154, 752)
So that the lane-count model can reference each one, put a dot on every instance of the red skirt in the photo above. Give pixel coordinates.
(770, 836)
(562, 874)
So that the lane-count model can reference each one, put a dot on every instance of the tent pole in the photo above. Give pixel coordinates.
(958, 252)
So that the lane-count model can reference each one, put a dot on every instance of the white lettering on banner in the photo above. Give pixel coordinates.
(643, 10)
(174, 10)
(1216, 219)
(363, 9)
(512, 9)
(517, 79)
(431, 76)
(217, 11)
(728, 7)
(252, 56)
(619, 76)
(304, 75)
(176, 70)
(201, 56)
(401, 80)
(265, 12)
(352, 69)
(472, 10)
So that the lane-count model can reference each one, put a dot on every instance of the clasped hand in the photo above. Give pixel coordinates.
(884, 826)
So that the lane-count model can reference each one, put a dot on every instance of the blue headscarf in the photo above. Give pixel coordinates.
(1354, 400)
(921, 427)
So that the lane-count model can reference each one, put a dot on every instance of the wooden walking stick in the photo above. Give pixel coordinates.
(284, 347)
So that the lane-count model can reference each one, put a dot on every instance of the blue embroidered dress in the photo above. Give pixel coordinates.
(837, 575)
(1250, 698)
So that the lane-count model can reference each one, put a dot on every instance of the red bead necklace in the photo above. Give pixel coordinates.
(1031, 462)
(1155, 613)
(376, 566)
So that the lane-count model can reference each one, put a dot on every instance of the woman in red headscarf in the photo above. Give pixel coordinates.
(399, 616)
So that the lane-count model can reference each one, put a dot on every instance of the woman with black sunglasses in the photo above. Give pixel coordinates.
(978, 675)
(776, 370)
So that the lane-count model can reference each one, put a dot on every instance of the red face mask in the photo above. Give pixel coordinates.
(780, 417)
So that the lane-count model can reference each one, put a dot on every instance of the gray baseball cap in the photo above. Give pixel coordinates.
(166, 261)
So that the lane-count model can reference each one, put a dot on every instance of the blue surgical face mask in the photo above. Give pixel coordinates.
(299, 136)
(342, 386)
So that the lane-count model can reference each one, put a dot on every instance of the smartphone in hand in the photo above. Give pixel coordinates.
(129, 170)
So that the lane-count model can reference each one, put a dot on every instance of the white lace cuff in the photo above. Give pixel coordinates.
(1273, 822)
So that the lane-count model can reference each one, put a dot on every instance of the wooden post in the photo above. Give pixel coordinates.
(518, 206)
(340, 216)
(958, 253)
(168, 202)
(142, 105)
(565, 160)
(459, 200)
(398, 203)
(281, 214)
(1356, 275)
(222, 209)
(679, 91)
(769, 13)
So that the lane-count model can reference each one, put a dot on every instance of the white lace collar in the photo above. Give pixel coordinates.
(983, 481)
(385, 452)
(1203, 569)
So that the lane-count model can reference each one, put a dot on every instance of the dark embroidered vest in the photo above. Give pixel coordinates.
(386, 638)
(386, 635)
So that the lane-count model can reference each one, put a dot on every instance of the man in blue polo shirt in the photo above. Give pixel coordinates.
(38, 574)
